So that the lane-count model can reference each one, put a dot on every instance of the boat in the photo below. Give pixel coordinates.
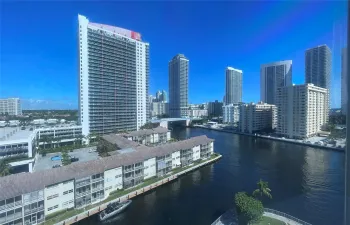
(113, 209)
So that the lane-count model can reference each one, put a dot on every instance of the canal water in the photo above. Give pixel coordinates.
(306, 182)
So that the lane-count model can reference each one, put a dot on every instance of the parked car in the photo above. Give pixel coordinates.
(74, 159)
(56, 166)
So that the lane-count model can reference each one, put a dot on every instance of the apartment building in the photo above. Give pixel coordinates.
(159, 108)
(178, 86)
(302, 110)
(272, 76)
(197, 113)
(230, 114)
(18, 142)
(113, 78)
(10, 106)
(30, 197)
(233, 86)
(254, 117)
(149, 136)
(215, 109)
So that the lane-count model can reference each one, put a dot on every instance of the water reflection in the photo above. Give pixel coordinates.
(306, 182)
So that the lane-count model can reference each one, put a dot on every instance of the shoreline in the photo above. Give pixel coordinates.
(273, 138)
(97, 209)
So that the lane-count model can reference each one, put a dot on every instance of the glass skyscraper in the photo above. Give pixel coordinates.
(178, 86)
(272, 76)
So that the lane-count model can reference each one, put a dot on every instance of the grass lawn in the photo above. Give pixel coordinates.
(269, 221)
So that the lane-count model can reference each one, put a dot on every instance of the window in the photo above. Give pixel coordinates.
(52, 208)
(52, 196)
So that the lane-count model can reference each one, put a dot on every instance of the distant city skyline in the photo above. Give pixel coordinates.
(44, 68)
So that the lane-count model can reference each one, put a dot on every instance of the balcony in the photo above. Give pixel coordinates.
(97, 188)
(97, 179)
(30, 211)
(81, 194)
(81, 184)
(128, 178)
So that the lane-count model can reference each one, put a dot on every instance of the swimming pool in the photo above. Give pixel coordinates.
(56, 158)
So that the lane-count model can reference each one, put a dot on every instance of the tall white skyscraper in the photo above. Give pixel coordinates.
(10, 106)
(302, 110)
(178, 86)
(113, 78)
(344, 90)
(233, 86)
(272, 76)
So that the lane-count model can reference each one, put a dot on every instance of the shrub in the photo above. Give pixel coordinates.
(249, 209)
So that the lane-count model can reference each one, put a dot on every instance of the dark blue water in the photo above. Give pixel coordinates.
(306, 182)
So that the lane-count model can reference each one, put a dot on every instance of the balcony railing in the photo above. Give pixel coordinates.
(98, 188)
(30, 211)
(128, 178)
(81, 184)
(97, 179)
(78, 195)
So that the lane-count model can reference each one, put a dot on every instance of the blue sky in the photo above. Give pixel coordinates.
(39, 43)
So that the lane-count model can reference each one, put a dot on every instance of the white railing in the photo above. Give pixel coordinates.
(286, 216)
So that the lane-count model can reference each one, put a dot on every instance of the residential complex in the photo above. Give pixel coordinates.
(159, 109)
(113, 78)
(28, 198)
(215, 109)
(302, 110)
(158, 135)
(10, 106)
(233, 86)
(17, 142)
(197, 113)
(344, 90)
(255, 117)
(231, 114)
(273, 76)
(178, 86)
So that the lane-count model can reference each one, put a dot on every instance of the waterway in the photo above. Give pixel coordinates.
(306, 182)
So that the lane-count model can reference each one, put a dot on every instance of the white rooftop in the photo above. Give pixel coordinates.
(17, 134)
(231, 68)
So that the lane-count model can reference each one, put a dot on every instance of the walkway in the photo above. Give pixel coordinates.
(281, 218)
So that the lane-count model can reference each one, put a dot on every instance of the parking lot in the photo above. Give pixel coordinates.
(45, 162)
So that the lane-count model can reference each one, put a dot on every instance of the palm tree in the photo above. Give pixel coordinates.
(263, 189)
(4, 168)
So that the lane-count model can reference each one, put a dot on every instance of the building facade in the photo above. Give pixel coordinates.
(302, 110)
(215, 109)
(158, 135)
(29, 198)
(233, 86)
(159, 109)
(231, 114)
(10, 106)
(255, 117)
(178, 86)
(318, 66)
(344, 90)
(197, 113)
(113, 78)
(273, 76)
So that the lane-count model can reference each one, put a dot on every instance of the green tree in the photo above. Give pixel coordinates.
(102, 149)
(65, 158)
(262, 190)
(249, 209)
(4, 168)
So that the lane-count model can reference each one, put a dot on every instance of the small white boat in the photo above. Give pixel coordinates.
(113, 209)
